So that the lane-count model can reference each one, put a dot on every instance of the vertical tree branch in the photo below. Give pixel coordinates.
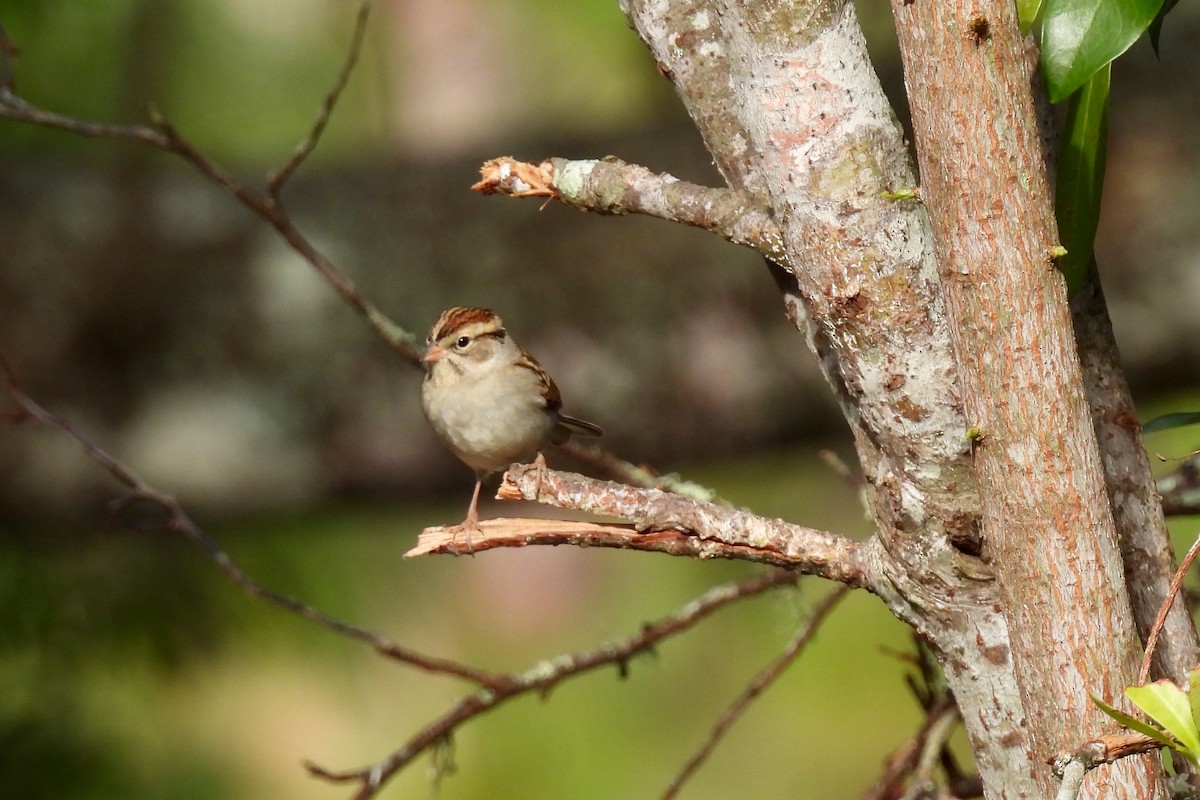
(1141, 528)
(1048, 529)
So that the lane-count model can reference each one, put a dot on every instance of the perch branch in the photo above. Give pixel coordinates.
(756, 687)
(544, 676)
(808, 550)
(506, 532)
(610, 186)
(179, 522)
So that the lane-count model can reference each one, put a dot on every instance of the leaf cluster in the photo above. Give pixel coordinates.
(1079, 41)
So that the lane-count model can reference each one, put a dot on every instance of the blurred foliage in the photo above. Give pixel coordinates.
(243, 78)
(143, 668)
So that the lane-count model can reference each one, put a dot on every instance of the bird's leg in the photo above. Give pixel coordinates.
(471, 523)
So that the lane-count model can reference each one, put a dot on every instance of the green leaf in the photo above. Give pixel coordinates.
(1168, 421)
(1081, 36)
(1194, 693)
(1169, 706)
(1135, 724)
(1156, 26)
(1081, 159)
(1027, 11)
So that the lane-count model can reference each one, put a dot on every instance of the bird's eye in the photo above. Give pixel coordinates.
(462, 342)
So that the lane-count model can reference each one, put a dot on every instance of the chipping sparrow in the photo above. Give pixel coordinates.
(487, 399)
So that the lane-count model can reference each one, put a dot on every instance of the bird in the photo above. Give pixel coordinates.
(489, 401)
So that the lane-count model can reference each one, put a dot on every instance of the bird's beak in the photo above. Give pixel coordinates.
(435, 352)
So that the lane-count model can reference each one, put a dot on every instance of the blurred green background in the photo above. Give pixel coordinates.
(180, 334)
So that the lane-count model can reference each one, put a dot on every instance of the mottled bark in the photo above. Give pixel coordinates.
(1141, 527)
(1048, 528)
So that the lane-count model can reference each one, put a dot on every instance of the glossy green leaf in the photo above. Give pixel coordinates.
(1135, 724)
(1168, 421)
(1027, 12)
(1169, 706)
(1081, 36)
(1081, 159)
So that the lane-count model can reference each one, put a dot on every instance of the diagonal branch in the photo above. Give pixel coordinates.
(756, 687)
(544, 676)
(279, 177)
(179, 522)
(610, 186)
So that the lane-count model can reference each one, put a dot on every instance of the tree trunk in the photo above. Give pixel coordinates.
(927, 321)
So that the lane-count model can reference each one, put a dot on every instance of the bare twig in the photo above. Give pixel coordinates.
(808, 550)
(14, 108)
(1165, 608)
(279, 177)
(602, 462)
(548, 674)
(179, 522)
(913, 763)
(611, 186)
(756, 687)
(937, 736)
(908, 772)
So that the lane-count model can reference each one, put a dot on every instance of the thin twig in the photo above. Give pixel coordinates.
(602, 462)
(937, 735)
(1165, 608)
(546, 675)
(756, 687)
(279, 177)
(178, 521)
(913, 762)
